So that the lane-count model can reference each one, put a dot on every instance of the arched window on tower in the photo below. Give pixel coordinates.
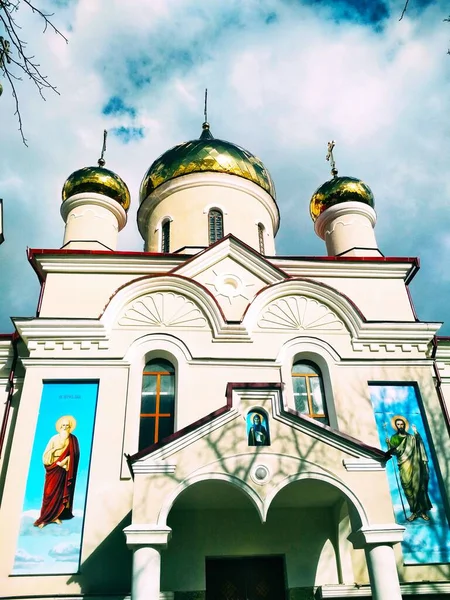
(261, 230)
(215, 225)
(309, 397)
(157, 402)
(165, 236)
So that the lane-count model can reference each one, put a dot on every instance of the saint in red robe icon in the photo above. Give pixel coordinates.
(60, 460)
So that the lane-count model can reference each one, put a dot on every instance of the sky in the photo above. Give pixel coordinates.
(283, 76)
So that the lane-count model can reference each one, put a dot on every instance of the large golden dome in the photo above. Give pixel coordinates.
(338, 190)
(206, 154)
(98, 180)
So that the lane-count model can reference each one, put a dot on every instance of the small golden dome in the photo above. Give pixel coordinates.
(98, 180)
(338, 190)
(206, 154)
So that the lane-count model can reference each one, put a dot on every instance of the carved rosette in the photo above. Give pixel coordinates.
(299, 313)
(163, 309)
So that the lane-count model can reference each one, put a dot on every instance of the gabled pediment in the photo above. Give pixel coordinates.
(234, 274)
(223, 434)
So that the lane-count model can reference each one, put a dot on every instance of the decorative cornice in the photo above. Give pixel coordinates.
(344, 268)
(376, 535)
(139, 535)
(64, 334)
(419, 588)
(343, 210)
(362, 464)
(93, 199)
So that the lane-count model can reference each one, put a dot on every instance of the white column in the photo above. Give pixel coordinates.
(377, 542)
(93, 222)
(146, 541)
(383, 572)
(348, 230)
(146, 573)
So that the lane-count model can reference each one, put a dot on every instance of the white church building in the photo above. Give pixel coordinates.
(206, 419)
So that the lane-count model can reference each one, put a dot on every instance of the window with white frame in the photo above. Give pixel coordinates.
(215, 225)
(261, 237)
(165, 236)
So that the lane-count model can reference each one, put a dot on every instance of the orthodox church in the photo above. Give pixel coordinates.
(208, 420)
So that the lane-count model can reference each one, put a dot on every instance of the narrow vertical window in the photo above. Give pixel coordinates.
(165, 236)
(215, 224)
(261, 237)
(157, 402)
(308, 391)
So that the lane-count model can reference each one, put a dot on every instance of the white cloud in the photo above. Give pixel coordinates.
(64, 552)
(281, 90)
(23, 558)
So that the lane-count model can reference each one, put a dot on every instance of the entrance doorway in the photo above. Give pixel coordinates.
(249, 578)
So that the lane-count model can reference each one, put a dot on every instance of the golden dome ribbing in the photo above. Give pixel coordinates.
(206, 154)
(338, 190)
(98, 180)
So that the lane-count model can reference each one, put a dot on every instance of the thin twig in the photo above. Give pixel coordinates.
(47, 22)
(15, 54)
(17, 112)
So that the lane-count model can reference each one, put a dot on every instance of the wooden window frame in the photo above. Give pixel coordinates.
(309, 393)
(157, 415)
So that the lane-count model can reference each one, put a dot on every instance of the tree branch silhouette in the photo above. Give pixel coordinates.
(15, 60)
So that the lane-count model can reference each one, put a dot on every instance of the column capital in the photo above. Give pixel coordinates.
(376, 535)
(140, 535)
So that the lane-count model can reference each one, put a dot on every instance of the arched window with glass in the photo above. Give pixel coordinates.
(261, 238)
(309, 397)
(165, 236)
(157, 402)
(215, 225)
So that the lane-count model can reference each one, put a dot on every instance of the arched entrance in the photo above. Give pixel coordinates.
(232, 539)
(221, 548)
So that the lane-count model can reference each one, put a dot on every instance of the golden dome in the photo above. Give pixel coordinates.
(206, 154)
(338, 190)
(98, 180)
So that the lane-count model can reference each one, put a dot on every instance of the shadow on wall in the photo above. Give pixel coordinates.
(108, 569)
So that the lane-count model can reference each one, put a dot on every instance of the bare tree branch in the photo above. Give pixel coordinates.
(14, 54)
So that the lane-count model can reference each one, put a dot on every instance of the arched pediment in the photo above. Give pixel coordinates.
(303, 305)
(167, 301)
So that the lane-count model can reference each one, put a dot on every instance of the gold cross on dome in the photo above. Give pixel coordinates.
(101, 161)
(330, 158)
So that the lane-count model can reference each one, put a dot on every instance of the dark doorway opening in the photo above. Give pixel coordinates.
(247, 578)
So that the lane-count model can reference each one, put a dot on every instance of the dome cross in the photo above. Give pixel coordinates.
(101, 161)
(330, 158)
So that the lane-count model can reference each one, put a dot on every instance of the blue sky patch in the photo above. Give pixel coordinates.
(128, 134)
(366, 12)
(117, 107)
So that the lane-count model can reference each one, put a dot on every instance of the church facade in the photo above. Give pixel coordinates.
(206, 419)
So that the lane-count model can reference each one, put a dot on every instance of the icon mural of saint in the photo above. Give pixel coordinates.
(60, 459)
(412, 462)
(258, 434)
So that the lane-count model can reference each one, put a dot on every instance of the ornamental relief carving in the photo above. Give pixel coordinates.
(299, 313)
(163, 310)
